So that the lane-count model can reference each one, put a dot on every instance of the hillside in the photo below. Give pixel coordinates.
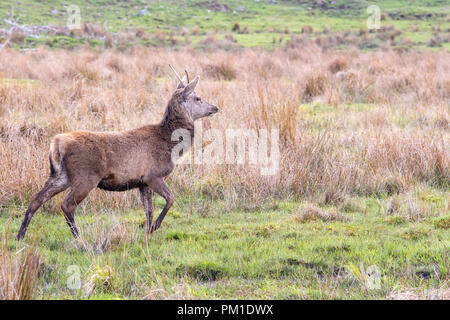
(266, 23)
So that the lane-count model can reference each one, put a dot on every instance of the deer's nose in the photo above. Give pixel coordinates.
(214, 109)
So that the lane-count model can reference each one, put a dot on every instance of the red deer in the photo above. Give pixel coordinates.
(120, 161)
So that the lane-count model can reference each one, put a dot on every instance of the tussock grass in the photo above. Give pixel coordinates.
(19, 271)
(443, 222)
(100, 236)
(397, 143)
(415, 294)
(417, 205)
(309, 213)
(101, 279)
(179, 291)
(223, 71)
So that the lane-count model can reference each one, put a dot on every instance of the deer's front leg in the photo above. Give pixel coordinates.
(146, 197)
(160, 187)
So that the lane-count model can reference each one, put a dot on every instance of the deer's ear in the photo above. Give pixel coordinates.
(191, 86)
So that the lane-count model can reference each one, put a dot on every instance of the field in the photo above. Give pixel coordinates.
(177, 23)
(359, 208)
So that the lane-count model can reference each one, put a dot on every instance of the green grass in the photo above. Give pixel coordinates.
(259, 254)
(263, 20)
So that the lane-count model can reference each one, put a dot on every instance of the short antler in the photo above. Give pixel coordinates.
(187, 75)
(176, 73)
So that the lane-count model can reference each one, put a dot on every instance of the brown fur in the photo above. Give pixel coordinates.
(119, 161)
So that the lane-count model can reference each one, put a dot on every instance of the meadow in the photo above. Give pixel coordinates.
(248, 23)
(359, 208)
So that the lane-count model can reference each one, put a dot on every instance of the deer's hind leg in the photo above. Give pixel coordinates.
(80, 189)
(56, 183)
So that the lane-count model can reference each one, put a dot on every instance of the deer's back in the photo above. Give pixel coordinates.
(121, 160)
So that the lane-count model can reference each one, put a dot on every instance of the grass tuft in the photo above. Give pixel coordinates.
(18, 272)
(202, 271)
(442, 222)
(310, 213)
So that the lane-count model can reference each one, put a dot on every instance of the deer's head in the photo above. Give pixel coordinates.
(189, 102)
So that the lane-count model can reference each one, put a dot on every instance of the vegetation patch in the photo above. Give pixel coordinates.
(101, 278)
(267, 230)
(332, 249)
(395, 220)
(414, 234)
(312, 213)
(330, 24)
(443, 222)
(202, 271)
(180, 235)
(19, 272)
(222, 71)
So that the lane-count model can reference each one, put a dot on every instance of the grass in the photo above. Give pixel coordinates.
(263, 21)
(18, 270)
(259, 254)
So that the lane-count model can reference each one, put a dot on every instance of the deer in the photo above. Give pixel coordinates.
(119, 161)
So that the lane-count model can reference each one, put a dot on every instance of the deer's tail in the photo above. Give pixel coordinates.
(55, 157)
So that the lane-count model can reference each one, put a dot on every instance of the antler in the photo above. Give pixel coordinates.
(176, 73)
(187, 75)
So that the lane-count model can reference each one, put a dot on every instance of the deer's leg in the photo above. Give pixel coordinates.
(54, 185)
(78, 192)
(161, 188)
(146, 197)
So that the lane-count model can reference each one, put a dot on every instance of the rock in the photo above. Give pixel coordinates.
(142, 12)
(240, 8)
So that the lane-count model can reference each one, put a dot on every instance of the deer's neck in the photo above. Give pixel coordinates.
(172, 121)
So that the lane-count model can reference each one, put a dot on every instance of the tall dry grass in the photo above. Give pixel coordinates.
(18, 271)
(350, 122)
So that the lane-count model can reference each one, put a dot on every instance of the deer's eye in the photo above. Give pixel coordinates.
(198, 99)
